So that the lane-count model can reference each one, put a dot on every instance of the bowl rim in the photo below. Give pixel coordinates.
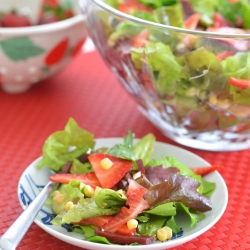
(120, 14)
(43, 28)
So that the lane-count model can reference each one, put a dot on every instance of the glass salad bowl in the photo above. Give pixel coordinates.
(186, 64)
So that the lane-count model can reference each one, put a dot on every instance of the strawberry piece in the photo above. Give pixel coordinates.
(233, 1)
(206, 170)
(52, 3)
(15, 20)
(136, 205)
(109, 177)
(241, 45)
(220, 21)
(129, 6)
(88, 178)
(99, 221)
(192, 22)
(239, 83)
(140, 39)
(224, 55)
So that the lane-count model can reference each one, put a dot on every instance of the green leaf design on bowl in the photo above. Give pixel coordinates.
(20, 48)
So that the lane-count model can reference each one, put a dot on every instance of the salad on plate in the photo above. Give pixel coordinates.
(195, 82)
(119, 194)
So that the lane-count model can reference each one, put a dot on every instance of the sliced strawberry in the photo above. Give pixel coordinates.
(233, 1)
(133, 185)
(52, 3)
(130, 5)
(136, 205)
(99, 221)
(88, 178)
(227, 30)
(224, 55)
(192, 22)
(241, 45)
(239, 83)
(220, 21)
(109, 177)
(140, 39)
(15, 20)
(206, 170)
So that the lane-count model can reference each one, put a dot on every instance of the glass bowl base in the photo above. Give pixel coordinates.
(217, 140)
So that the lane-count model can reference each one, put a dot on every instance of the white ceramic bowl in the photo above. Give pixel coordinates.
(29, 55)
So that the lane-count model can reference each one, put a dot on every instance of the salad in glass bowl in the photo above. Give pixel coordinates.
(186, 63)
(120, 194)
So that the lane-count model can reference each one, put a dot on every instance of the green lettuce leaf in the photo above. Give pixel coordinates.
(124, 150)
(170, 15)
(195, 216)
(144, 148)
(234, 11)
(125, 29)
(86, 230)
(71, 191)
(158, 3)
(99, 239)
(237, 66)
(63, 146)
(206, 8)
(80, 168)
(164, 68)
(112, 3)
(172, 224)
(150, 227)
(108, 198)
(166, 209)
(85, 208)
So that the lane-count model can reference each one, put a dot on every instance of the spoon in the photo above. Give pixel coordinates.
(11, 238)
(29, 8)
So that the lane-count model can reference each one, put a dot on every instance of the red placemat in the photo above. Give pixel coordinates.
(88, 92)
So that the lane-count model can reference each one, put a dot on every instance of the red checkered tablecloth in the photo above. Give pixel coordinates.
(87, 91)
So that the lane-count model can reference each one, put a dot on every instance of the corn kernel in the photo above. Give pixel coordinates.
(137, 175)
(133, 223)
(55, 193)
(213, 99)
(224, 103)
(106, 163)
(97, 190)
(169, 231)
(121, 193)
(164, 233)
(69, 205)
(192, 92)
(58, 198)
(88, 191)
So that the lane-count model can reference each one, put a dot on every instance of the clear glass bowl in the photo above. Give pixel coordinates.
(180, 79)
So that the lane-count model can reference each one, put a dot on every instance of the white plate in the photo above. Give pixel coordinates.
(32, 180)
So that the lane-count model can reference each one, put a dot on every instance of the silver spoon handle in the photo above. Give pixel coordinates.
(11, 238)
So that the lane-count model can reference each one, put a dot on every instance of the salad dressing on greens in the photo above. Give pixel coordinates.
(120, 195)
